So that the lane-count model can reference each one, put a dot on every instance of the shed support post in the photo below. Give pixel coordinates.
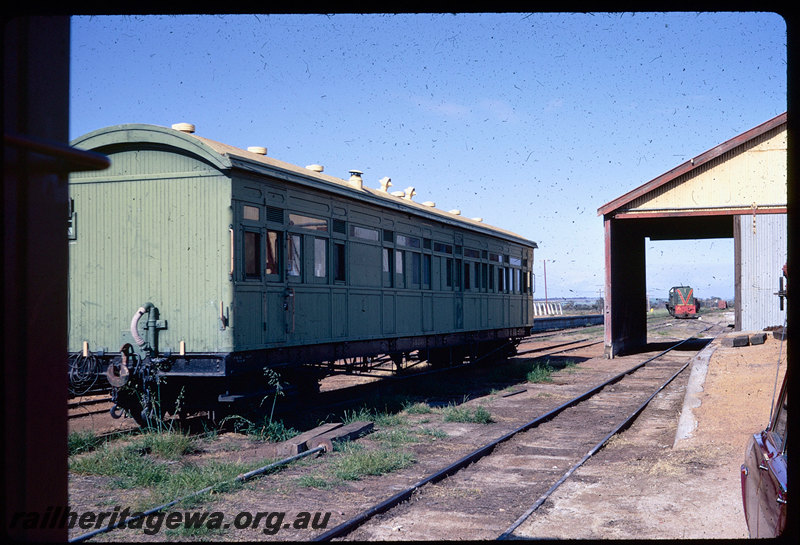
(625, 312)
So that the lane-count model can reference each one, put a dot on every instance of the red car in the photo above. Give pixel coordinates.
(764, 492)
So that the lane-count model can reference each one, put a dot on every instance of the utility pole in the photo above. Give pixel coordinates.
(544, 263)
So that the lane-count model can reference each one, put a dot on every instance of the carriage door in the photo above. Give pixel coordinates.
(278, 304)
(249, 321)
(459, 282)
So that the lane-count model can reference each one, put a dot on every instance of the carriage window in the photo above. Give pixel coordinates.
(307, 222)
(252, 258)
(339, 263)
(295, 255)
(250, 212)
(415, 263)
(364, 233)
(484, 274)
(500, 277)
(442, 247)
(320, 257)
(448, 273)
(467, 267)
(491, 277)
(398, 268)
(273, 239)
(410, 242)
(457, 270)
(426, 271)
(387, 267)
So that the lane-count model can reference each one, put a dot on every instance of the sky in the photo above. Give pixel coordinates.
(531, 121)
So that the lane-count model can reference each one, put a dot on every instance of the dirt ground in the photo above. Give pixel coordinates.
(639, 486)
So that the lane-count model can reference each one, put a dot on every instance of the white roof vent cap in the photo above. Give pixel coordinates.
(457, 212)
(184, 127)
(316, 168)
(257, 149)
(355, 179)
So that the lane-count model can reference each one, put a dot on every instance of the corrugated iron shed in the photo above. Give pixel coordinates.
(705, 197)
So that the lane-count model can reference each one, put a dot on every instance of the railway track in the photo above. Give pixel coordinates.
(92, 411)
(88, 406)
(492, 490)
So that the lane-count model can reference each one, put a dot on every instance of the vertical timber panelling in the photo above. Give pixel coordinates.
(146, 236)
(761, 254)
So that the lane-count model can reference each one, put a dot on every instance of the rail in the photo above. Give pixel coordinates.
(353, 523)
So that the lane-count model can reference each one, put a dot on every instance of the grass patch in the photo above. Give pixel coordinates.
(417, 408)
(200, 533)
(170, 446)
(354, 461)
(151, 461)
(314, 481)
(469, 415)
(381, 419)
(273, 431)
(540, 373)
(433, 433)
(394, 437)
(82, 441)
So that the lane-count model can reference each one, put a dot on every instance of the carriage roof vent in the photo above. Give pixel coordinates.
(429, 203)
(477, 219)
(184, 127)
(410, 193)
(457, 212)
(257, 149)
(315, 168)
(386, 183)
(399, 193)
(355, 179)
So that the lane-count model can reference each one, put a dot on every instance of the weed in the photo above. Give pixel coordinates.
(354, 462)
(82, 441)
(461, 413)
(434, 433)
(395, 437)
(196, 533)
(314, 481)
(382, 419)
(540, 373)
(270, 430)
(141, 464)
(417, 408)
(170, 446)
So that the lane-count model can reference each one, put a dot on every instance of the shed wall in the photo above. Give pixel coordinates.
(753, 173)
(760, 246)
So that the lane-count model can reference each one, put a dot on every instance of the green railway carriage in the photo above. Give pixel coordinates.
(241, 262)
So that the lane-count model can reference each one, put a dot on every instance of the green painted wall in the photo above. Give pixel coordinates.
(146, 236)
